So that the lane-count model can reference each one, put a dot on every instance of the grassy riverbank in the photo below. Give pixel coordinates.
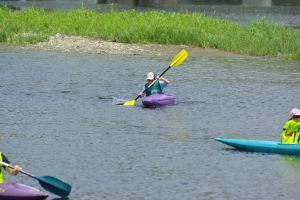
(261, 38)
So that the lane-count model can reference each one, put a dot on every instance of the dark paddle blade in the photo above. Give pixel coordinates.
(55, 186)
(49, 183)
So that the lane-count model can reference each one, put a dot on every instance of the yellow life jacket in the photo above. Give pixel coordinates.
(1, 171)
(291, 132)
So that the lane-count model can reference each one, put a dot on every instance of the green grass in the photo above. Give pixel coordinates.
(260, 38)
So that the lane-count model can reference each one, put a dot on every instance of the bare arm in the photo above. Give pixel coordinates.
(14, 171)
(163, 79)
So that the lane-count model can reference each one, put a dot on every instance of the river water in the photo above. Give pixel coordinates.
(58, 119)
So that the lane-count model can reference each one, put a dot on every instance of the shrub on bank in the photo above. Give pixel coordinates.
(260, 38)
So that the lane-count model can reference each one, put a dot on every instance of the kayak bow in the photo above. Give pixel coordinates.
(262, 146)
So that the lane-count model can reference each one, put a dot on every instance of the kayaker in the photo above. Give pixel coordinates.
(291, 130)
(13, 172)
(157, 87)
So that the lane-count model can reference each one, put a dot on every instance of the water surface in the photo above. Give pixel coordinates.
(57, 119)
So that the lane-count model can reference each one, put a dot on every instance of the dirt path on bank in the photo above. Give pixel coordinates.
(93, 46)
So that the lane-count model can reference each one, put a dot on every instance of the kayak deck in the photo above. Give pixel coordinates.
(262, 146)
(158, 100)
(17, 191)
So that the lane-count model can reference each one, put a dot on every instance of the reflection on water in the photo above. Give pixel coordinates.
(291, 159)
(290, 170)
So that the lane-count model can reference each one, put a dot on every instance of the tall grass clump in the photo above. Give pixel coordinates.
(260, 38)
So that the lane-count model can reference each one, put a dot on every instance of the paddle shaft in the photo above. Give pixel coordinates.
(51, 184)
(7, 165)
(153, 82)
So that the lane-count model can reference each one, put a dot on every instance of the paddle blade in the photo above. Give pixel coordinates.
(129, 103)
(54, 185)
(179, 58)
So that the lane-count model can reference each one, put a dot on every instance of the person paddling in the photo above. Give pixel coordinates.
(291, 130)
(13, 172)
(157, 87)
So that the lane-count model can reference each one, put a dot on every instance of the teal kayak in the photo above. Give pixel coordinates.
(262, 146)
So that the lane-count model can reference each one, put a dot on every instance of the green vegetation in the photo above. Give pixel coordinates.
(260, 38)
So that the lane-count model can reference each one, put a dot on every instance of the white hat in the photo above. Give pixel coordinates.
(294, 112)
(150, 76)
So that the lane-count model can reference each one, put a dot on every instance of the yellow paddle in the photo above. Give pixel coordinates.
(179, 58)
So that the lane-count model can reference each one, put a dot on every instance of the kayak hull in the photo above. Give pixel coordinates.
(158, 100)
(262, 146)
(17, 191)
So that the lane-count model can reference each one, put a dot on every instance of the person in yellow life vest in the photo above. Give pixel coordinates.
(291, 130)
(157, 87)
(13, 172)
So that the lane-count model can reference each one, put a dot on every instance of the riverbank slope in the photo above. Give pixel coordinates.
(78, 44)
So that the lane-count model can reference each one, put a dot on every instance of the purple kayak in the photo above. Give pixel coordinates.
(17, 191)
(158, 100)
